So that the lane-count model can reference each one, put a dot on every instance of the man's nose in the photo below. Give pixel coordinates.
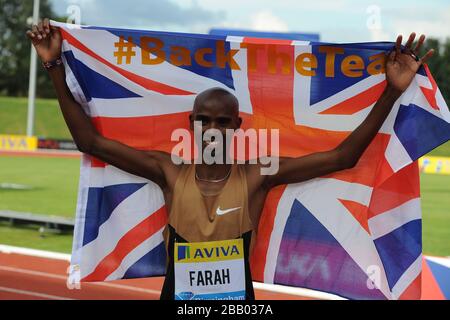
(213, 125)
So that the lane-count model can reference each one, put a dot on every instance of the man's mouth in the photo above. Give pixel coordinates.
(212, 143)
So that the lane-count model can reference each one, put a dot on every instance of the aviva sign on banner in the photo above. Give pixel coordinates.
(17, 143)
(439, 165)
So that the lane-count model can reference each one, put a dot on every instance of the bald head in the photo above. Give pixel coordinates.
(218, 107)
(216, 97)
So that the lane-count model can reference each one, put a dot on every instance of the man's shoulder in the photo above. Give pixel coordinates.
(164, 156)
(167, 160)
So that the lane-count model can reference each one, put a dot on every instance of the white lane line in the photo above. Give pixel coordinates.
(34, 252)
(60, 277)
(120, 286)
(33, 273)
(34, 294)
(307, 293)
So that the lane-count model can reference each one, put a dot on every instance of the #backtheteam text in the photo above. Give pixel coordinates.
(274, 58)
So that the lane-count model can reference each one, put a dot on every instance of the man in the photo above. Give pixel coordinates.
(218, 202)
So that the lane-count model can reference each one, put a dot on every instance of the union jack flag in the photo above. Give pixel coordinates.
(355, 233)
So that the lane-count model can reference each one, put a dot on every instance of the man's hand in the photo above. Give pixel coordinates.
(402, 65)
(47, 40)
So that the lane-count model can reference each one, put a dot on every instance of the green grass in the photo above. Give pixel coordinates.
(441, 151)
(29, 237)
(49, 121)
(435, 192)
(55, 183)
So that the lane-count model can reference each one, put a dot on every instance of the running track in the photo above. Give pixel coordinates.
(26, 277)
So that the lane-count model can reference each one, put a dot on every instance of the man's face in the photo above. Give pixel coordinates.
(218, 113)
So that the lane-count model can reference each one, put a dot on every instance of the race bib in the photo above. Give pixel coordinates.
(210, 270)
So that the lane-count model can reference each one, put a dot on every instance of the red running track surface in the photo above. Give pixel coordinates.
(24, 277)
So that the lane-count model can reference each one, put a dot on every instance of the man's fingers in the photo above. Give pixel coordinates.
(391, 55)
(410, 40)
(427, 56)
(30, 34)
(41, 29)
(398, 45)
(47, 26)
(36, 32)
(419, 43)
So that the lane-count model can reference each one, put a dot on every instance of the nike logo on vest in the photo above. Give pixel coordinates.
(220, 212)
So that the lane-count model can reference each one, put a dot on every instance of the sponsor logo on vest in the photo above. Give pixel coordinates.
(212, 252)
(221, 212)
(184, 252)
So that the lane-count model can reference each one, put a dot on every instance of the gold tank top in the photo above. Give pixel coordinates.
(227, 216)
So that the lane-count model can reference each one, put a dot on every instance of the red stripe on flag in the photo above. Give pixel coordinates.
(358, 211)
(430, 287)
(364, 172)
(398, 189)
(144, 82)
(143, 133)
(272, 100)
(413, 292)
(270, 87)
(430, 94)
(384, 172)
(127, 243)
(358, 102)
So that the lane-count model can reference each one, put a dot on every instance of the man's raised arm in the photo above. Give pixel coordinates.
(151, 165)
(401, 68)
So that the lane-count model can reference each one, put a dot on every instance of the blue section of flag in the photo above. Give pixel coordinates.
(95, 85)
(151, 264)
(192, 43)
(420, 131)
(399, 249)
(100, 204)
(322, 263)
(441, 274)
(422, 71)
(323, 87)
